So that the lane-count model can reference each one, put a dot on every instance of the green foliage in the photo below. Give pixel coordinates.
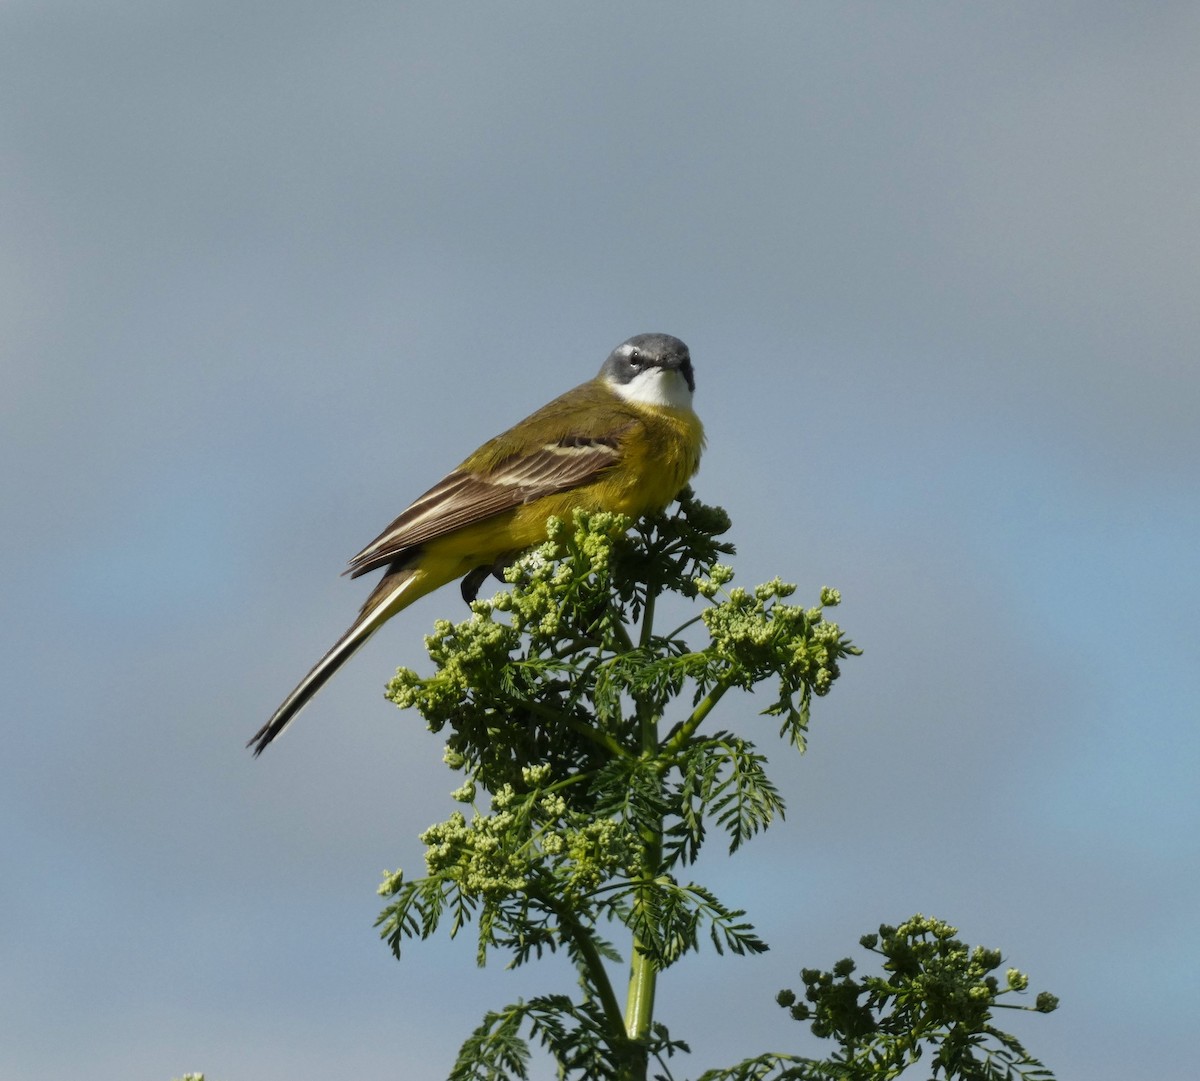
(590, 784)
(938, 999)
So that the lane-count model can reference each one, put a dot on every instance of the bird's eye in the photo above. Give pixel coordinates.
(635, 358)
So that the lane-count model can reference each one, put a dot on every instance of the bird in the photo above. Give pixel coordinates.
(627, 441)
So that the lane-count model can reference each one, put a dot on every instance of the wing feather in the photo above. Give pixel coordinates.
(463, 498)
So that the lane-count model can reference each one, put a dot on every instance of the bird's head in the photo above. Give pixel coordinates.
(654, 369)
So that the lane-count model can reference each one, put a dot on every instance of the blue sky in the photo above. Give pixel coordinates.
(266, 274)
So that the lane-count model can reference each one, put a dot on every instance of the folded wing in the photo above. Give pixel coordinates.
(464, 498)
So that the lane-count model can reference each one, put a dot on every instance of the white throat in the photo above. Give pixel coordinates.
(661, 387)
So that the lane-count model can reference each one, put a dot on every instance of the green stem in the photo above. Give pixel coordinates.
(643, 975)
(639, 1007)
(684, 626)
(592, 961)
(706, 705)
(624, 642)
(648, 618)
(601, 739)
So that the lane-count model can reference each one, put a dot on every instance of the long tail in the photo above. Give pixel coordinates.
(395, 591)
